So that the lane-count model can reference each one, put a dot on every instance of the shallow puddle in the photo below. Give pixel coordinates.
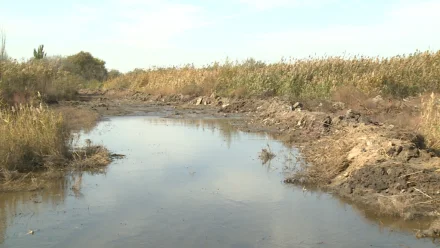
(189, 183)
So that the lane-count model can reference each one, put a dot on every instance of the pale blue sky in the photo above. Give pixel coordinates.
(142, 33)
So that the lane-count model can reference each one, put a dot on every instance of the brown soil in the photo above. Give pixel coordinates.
(363, 154)
(366, 150)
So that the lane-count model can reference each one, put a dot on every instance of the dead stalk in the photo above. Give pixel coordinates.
(423, 193)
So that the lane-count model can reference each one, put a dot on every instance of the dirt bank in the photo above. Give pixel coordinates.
(367, 151)
(365, 155)
(133, 103)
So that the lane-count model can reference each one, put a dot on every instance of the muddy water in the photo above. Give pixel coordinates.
(189, 183)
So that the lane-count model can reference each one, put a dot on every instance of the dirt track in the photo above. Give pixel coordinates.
(364, 152)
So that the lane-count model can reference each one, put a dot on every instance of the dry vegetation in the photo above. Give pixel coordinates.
(430, 121)
(266, 155)
(20, 81)
(35, 139)
(55, 78)
(30, 137)
(398, 76)
(90, 157)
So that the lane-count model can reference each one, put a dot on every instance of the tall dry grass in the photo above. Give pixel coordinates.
(19, 81)
(38, 138)
(307, 78)
(31, 137)
(430, 121)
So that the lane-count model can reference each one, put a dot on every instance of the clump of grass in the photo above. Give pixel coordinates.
(430, 121)
(30, 137)
(266, 155)
(91, 157)
(35, 139)
(398, 76)
(321, 168)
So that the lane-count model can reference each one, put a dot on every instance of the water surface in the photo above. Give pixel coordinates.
(189, 183)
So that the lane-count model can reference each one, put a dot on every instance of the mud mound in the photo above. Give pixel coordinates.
(396, 190)
(394, 179)
(240, 106)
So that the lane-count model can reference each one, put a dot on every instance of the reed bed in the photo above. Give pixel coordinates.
(398, 76)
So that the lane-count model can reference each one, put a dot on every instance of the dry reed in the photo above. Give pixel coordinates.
(30, 136)
(308, 78)
(430, 121)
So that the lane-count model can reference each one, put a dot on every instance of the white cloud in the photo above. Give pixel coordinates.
(264, 4)
(407, 27)
(150, 23)
(268, 4)
(84, 14)
(155, 29)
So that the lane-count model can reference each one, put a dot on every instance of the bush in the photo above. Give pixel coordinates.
(87, 66)
(26, 79)
(112, 74)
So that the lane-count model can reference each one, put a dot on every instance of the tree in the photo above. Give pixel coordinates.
(39, 54)
(3, 54)
(113, 74)
(89, 67)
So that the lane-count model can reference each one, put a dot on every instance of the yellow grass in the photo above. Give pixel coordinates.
(37, 138)
(91, 157)
(20, 81)
(31, 137)
(309, 78)
(430, 121)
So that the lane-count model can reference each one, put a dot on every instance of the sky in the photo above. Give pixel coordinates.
(130, 34)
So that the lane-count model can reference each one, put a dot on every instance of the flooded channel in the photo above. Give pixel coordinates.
(189, 183)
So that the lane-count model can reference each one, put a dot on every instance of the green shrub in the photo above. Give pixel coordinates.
(89, 67)
(39, 53)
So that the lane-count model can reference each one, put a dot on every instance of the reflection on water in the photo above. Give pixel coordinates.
(17, 208)
(188, 183)
(227, 131)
